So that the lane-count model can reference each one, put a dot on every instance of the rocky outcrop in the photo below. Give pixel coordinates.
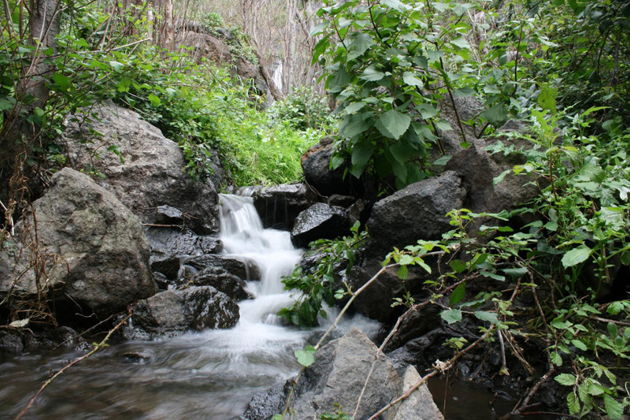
(145, 170)
(81, 244)
(336, 379)
(415, 212)
(279, 205)
(320, 221)
(172, 312)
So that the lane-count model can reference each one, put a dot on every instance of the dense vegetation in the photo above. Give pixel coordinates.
(559, 66)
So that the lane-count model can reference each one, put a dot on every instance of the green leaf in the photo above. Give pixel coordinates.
(394, 123)
(354, 107)
(576, 256)
(359, 45)
(410, 79)
(614, 408)
(155, 101)
(490, 317)
(361, 154)
(338, 81)
(515, 272)
(496, 114)
(458, 294)
(566, 379)
(451, 315)
(458, 266)
(355, 124)
(427, 110)
(61, 82)
(6, 103)
(556, 359)
(573, 403)
(547, 97)
(371, 74)
(461, 43)
(579, 344)
(395, 4)
(116, 65)
(306, 356)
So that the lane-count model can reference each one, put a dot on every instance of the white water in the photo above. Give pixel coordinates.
(204, 375)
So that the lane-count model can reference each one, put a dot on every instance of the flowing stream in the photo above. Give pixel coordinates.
(205, 375)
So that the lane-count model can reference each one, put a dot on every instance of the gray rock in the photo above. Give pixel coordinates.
(266, 404)
(317, 172)
(320, 221)
(419, 405)
(336, 379)
(170, 245)
(145, 172)
(223, 281)
(174, 311)
(477, 169)
(87, 247)
(241, 268)
(416, 212)
(169, 215)
(279, 205)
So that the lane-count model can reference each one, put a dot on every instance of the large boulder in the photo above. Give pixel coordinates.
(478, 170)
(317, 172)
(171, 312)
(336, 379)
(279, 205)
(416, 212)
(320, 221)
(80, 242)
(144, 169)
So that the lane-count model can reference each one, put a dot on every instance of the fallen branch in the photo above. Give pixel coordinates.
(76, 361)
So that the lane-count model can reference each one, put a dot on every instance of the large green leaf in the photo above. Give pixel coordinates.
(576, 256)
(394, 124)
(355, 124)
(410, 79)
(361, 154)
(305, 357)
(451, 315)
(371, 74)
(359, 45)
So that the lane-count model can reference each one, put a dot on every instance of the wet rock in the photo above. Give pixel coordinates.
(174, 311)
(317, 172)
(266, 404)
(92, 248)
(416, 212)
(279, 205)
(240, 267)
(320, 221)
(14, 341)
(145, 172)
(223, 281)
(169, 215)
(337, 377)
(167, 242)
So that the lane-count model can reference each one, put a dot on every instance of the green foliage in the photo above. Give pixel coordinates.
(320, 284)
(390, 64)
(206, 111)
(306, 356)
(303, 109)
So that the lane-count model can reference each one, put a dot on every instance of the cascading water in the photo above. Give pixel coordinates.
(199, 375)
(207, 375)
